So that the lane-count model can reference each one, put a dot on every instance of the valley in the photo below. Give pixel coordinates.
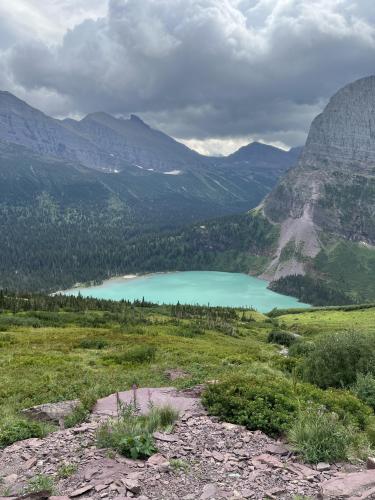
(187, 250)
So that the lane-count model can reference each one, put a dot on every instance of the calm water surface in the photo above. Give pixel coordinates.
(193, 287)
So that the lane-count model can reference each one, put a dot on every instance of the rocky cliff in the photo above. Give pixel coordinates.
(330, 194)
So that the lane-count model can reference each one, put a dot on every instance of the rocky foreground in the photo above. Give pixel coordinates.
(202, 459)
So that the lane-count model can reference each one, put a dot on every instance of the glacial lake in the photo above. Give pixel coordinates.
(193, 287)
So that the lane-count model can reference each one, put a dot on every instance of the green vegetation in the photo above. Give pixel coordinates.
(66, 470)
(17, 429)
(281, 337)
(271, 401)
(135, 355)
(337, 358)
(341, 274)
(131, 434)
(364, 388)
(178, 464)
(40, 483)
(321, 437)
(76, 348)
(93, 344)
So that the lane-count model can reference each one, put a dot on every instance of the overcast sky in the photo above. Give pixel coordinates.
(214, 73)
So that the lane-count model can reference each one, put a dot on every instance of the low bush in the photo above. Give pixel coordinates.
(40, 483)
(338, 357)
(82, 412)
(79, 414)
(301, 348)
(17, 429)
(271, 402)
(93, 344)
(260, 403)
(66, 470)
(136, 355)
(364, 389)
(320, 436)
(281, 337)
(132, 434)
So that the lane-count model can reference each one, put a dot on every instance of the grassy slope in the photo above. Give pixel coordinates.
(319, 322)
(46, 364)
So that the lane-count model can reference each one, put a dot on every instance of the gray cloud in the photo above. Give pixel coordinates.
(200, 68)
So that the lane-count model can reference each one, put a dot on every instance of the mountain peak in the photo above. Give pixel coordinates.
(136, 120)
(332, 189)
(345, 131)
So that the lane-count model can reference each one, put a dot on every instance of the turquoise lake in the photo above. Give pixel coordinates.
(193, 287)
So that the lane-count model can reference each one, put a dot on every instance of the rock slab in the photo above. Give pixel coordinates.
(359, 485)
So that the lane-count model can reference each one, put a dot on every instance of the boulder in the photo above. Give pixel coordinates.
(52, 412)
(358, 485)
(179, 401)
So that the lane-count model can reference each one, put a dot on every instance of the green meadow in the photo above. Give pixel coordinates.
(54, 349)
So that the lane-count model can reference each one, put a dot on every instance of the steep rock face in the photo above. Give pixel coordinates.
(99, 141)
(332, 189)
(21, 124)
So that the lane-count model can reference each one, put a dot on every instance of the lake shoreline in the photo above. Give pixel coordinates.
(120, 277)
(214, 288)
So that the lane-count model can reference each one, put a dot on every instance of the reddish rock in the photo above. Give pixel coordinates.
(81, 491)
(168, 438)
(269, 460)
(157, 460)
(359, 485)
(159, 397)
(276, 449)
(302, 470)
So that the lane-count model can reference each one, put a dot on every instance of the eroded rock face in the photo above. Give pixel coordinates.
(332, 189)
(345, 131)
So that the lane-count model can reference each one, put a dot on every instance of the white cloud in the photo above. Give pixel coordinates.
(224, 147)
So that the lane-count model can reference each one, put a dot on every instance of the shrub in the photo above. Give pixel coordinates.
(40, 483)
(191, 332)
(320, 436)
(17, 429)
(271, 402)
(301, 348)
(337, 358)
(178, 464)
(93, 344)
(66, 470)
(364, 389)
(132, 434)
(255, 402)
(281, 337)
(135, 355)
(79, 414)
(82, 412)
(161, 418)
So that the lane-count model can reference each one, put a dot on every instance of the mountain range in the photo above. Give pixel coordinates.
(89, 199)
(128, 159)
(68, 183)
(313, 236)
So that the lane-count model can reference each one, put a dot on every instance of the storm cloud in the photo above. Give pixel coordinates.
(207, 71)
